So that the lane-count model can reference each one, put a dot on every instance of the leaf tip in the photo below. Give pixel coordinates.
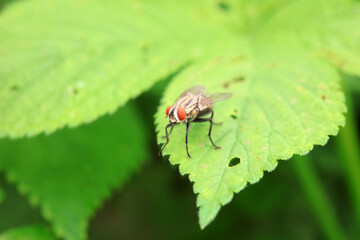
(207, 214)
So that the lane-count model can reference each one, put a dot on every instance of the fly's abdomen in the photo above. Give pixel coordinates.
(206, 110)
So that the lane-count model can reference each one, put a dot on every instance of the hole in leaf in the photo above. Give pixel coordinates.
(224, 6)
(233, 162)
(14, 88)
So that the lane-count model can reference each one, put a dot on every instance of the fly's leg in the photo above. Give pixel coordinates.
(211, 123)
(186, 138)
(172, 127)
(167, 137)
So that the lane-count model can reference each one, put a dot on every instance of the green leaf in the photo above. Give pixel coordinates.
(15, 210)
(325, 28)
(286, 93)
(32, 232)
(70, 173)
(66, 69)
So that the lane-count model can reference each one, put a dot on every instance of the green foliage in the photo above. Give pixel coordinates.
(67, 69)
(71, 172)
(348, 144)
(1, 195)
(34, 232)
(15, 210)
(68, 62)
(317, 198)
(286, 99)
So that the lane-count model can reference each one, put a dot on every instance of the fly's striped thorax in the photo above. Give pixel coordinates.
(188, 102)
(193, 105)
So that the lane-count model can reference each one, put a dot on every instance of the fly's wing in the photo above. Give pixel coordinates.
(188, 94)
(193, 90)
(212, 98)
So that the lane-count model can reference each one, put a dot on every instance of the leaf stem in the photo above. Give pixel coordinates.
(348, 148)
(318, 201)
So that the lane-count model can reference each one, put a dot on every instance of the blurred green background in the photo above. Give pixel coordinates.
(157, 203)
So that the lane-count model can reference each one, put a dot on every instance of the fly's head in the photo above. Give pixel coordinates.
(176, 115)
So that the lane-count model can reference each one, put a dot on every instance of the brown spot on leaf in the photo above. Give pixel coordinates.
(239, 59)
(73, 90)
(272, 65)
(236, 79)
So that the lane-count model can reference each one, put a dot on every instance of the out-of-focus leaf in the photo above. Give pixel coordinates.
(15, 210)
(67, 62)
(33, 232)
(70, 173)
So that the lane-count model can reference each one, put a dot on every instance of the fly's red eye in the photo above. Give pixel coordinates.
(181, 114)
(168, 110)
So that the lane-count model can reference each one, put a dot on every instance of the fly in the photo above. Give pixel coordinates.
(192, 106)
